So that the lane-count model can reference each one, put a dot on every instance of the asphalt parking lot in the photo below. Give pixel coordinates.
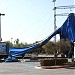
(28, 68)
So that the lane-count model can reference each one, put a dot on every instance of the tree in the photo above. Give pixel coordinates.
(64, 46)
(50, 48)
(21, 45)
(10, 43)
(17, 41)
(37, 51)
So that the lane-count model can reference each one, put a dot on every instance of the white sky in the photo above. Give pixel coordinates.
(30, 20)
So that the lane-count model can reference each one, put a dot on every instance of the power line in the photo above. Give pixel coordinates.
(66, 7)
(63, 14)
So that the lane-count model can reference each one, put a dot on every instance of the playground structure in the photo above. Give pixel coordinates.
(66, 31)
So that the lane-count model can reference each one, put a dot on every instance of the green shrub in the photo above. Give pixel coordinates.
(61, 61)
(51, 62)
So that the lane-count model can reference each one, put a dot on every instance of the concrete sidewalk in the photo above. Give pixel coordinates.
(28, 68)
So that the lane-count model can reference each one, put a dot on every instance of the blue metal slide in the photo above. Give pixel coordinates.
(66, 31)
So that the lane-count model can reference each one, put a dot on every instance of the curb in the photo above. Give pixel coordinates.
(38, 67)
(54, 67)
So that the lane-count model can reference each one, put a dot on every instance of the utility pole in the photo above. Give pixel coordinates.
(0, 25)
(54, 19)
(55, 53)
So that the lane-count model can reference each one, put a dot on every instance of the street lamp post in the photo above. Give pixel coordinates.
(11, 40)
(0, 25)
